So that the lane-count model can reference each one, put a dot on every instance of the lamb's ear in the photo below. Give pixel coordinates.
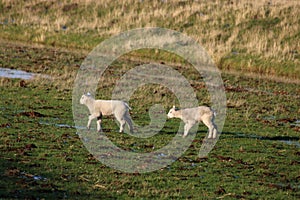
(88, 94)
(173, 106)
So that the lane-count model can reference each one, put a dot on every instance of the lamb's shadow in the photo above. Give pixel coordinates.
(286, 139)
(180, 132)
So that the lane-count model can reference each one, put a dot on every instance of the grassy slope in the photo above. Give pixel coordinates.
(248, 36)
(39, 159)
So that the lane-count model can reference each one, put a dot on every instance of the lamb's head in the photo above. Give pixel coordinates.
(171, 113)
(84, 98)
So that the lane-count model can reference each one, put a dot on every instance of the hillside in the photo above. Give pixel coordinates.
(259, 36)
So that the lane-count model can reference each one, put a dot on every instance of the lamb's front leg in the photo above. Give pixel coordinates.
(187, 127)
(91, 117)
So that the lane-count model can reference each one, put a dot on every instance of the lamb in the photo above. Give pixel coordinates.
(190, 116)
(99, 108)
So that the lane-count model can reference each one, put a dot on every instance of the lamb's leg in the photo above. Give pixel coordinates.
(129, 122)
(99, 125)
(187, 127)
(215, 131)
(211, 128)
(91, 117)
(121, 121)
(122, 125)
(99, 120)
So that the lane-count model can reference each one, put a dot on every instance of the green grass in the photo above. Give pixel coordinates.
(41, 159)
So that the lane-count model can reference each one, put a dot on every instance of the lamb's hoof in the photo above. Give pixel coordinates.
(211, 138)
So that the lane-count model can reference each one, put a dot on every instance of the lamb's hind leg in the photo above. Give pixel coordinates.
(121, 121)
(122, 125)
(212, 131)
(129, 122)
(99, 120)
(215, 130)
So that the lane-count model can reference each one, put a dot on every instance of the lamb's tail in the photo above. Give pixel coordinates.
(128, 106)
(214, 112)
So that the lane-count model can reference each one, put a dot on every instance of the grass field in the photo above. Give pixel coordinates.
(255, 44)
(257, 155)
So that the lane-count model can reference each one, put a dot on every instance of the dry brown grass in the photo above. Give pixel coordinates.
(267, 29)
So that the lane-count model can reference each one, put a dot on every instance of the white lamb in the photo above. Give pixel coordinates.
(99, 108)
(190, 116)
